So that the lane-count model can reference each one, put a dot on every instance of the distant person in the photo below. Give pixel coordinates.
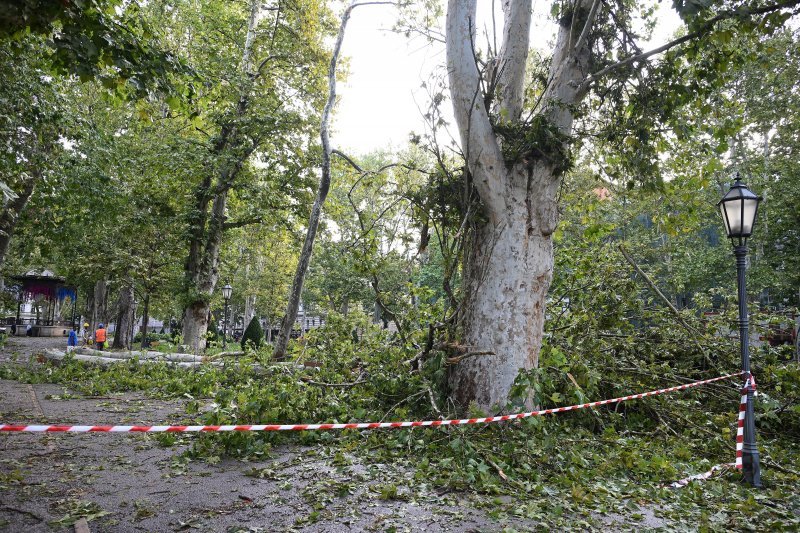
(28, 331)
(72, 340)
(87, 337)
(100, 337)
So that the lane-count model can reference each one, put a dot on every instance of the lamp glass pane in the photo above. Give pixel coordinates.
(733, 214)
(749, 215)
(725, 219)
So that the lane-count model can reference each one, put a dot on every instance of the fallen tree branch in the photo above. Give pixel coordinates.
(401, 402)
(671, 307)
(776, 466)
(22, 511)
(499, 470)
(655, 289)
(433, 402)
(231, 353)
(414, 362)
(360, 380)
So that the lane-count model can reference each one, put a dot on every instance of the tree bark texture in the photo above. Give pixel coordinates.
(249, 309)
(508, 270)
(508, 262)
(99, 305)
(125, 318)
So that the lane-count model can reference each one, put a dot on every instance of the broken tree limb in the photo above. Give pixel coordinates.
(672, 308)
(655, 289)
(360, 380)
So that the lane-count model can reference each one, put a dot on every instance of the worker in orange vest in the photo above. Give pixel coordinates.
(100, 337)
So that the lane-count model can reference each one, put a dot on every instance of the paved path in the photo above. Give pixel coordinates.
(138, 485)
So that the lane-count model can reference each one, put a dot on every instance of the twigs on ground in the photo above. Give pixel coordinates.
(779, 468)
(401, 402)
(22, 511)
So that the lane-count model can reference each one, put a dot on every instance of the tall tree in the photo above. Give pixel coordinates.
(272, 93)
(292, 306)
(30, 124)
(516, 161)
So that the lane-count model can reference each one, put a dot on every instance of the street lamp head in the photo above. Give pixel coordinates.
(226, 291)
(738, 208)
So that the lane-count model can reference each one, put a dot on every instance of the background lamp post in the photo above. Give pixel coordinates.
(226, 294)
(738, 208)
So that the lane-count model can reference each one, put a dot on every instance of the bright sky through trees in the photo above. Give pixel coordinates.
(380, 101)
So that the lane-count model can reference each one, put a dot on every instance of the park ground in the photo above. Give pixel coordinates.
(124, 482)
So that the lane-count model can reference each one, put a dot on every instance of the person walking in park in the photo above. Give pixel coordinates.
(100, 337)
(72, 340)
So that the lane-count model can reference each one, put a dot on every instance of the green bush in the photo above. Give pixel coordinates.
(253, 335)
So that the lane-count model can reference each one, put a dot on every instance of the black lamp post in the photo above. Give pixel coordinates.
(226, 294)
(738, 208)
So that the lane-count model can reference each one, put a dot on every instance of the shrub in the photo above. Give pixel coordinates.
(254, 334)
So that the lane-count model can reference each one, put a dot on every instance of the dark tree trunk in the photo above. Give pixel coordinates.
(99, 304)
(145, 320)
(125, 319)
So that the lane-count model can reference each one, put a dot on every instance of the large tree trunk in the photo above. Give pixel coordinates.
(125, 318)
(509, 257)
(195, 326)
(205, 274)
(507, 272)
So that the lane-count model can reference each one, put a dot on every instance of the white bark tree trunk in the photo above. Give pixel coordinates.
(507, 273)
(293, 304)
(249, 308)
(509, 258)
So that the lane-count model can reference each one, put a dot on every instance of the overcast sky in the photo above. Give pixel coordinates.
(378, 105)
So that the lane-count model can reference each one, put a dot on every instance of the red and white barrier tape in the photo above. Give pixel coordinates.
(750, 383)
(359, 425)
(700, 477)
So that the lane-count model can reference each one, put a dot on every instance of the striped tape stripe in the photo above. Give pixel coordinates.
(750, 383)
(700, 477)
(359, 425)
